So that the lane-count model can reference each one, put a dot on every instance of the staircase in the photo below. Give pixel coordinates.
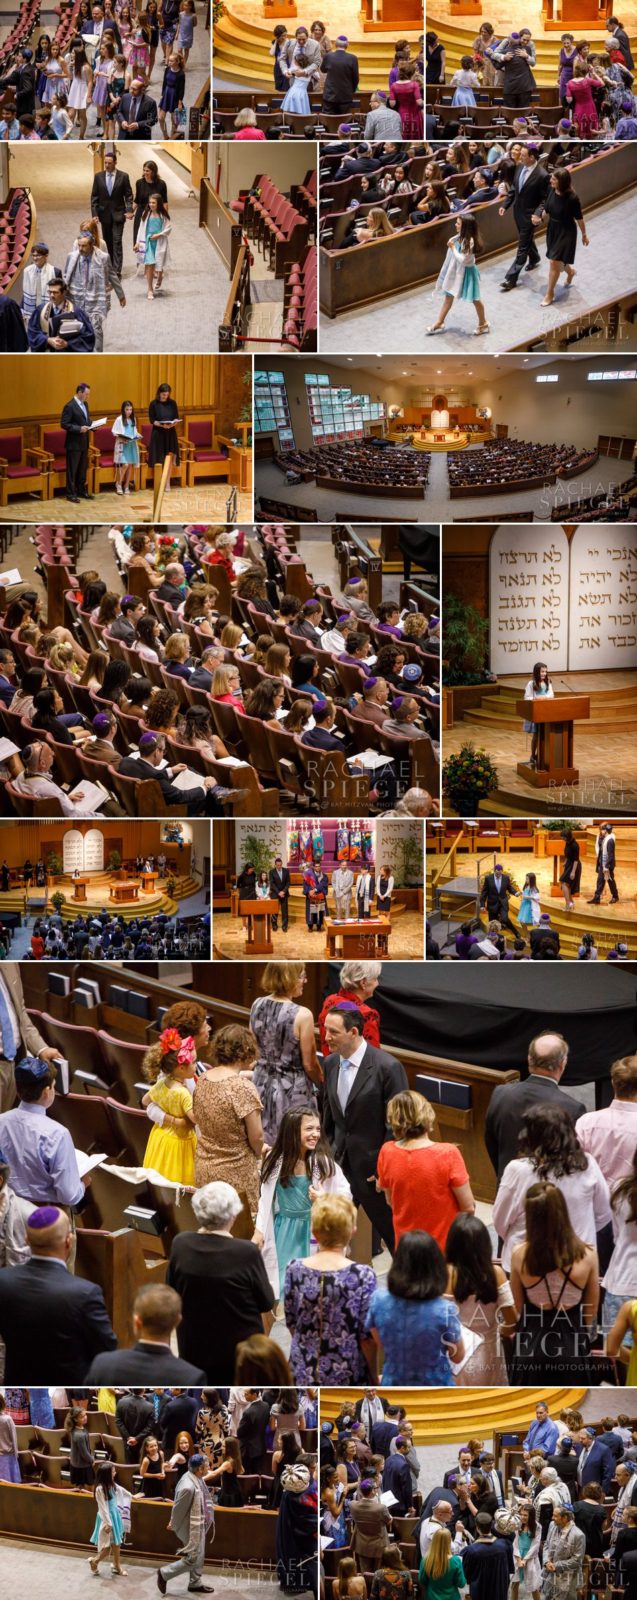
(616, 707)
(446, 1415)
(241, 54)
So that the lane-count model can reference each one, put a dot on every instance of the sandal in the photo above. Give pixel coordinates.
(547, 302)
(435, 329)
(483, 327)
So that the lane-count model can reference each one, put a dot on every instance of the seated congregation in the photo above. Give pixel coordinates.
(360, 1221)
(551, 1506)
(215, 670)
(164, 1478)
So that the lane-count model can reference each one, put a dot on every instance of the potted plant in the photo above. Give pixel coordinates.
(409, 859)
(468, 777)
(466, 640)
(114, 861)
(171, 885)
(255, 852)
(58, 900)
(54, 864)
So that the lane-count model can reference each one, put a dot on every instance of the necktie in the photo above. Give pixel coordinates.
(7, 1030)
(109, 182)
(523, 177)
(344, 1083)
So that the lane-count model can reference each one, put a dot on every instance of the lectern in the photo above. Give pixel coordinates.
(259, 914)
(554, 721)
(79, 888)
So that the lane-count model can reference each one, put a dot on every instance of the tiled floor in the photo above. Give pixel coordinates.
(31, 1573)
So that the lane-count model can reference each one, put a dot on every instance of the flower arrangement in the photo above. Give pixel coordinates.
(468, 777)
(168, 549)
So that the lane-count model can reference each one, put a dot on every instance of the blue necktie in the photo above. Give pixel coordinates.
(7, 1030)
(344, 1083)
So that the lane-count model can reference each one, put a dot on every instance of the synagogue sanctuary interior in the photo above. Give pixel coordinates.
(384, 288)
(550, 898)
(541, 667)
(484, 438)
(286, 1026)
(183, 307)
(115, 891)
(553, 1470)
(203, 461)
(357, 883)
(288, 674)
(255, 1460)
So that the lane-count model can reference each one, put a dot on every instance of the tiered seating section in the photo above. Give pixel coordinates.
(20, 33)
(16, 226)
(300, 314)
(273, 222)
(361, 468)
(513, 461)
(613, 505)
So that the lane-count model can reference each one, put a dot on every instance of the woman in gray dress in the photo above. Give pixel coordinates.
(287, 1072)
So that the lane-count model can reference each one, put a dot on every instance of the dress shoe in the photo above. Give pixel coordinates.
(531, 265)
(74, 498)
(86, 496)
(593, 902)
(200, 1588)
(507, 285)
(161, 1582)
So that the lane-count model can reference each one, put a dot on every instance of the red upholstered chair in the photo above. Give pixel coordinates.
(101, 459)
(205, 460)
(52, 442)
(22, 470)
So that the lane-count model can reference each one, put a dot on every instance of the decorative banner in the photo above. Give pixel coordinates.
(603, 622)
(73, 851)
(93, 851)
(528, 598)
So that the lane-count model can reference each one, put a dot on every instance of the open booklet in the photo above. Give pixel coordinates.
(187, 780)
(100, 423)
(93, 795)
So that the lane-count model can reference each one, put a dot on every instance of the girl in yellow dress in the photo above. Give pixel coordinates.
(171, 1147)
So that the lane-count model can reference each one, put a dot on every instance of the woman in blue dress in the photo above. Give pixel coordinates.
(297, 99)
(459, 278)
(529, 912)
(413, 1319)
(152, 242)
(126, 452)
(333, 1524)
(40, 1408)
(173, 89)
(108, 1533)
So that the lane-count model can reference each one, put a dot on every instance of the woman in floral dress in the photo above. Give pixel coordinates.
(326, 1300)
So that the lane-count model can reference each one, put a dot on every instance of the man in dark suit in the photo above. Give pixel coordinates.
(493, 1477)
(173, 588)
(371, 1410)
(112, 203)
(611, 1438)
(52, 1323)
(201, 678)
(134, 1420)
(341, 79)
(204, 800)
(461, 1473)
(605, 862)
(542, 936)
(595, 1464)
(76, 422)
(359, 1082)
(131, 611)
(527, 195)
(621, 40)
(280, 890)
(321, 737)
(547, 1059)
(565, 1462)
(496, 888)
(156, 1315)
(251, 1431)
(383, 1432)
(138, 113)
(22, 79)
(397, 1479)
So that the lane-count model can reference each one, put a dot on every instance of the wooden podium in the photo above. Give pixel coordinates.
(554, 720)
(259, 914)
(79, 888)
(369, 938)
(379, 16)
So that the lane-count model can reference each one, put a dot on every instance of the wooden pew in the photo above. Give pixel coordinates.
(43, 1515)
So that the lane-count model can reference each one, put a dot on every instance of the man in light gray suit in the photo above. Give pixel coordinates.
(18, 1034)
(192, 1515)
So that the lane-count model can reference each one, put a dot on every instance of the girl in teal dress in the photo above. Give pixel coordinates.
(126, 450)
(296, 1171)
(108, 1533)
(152, 242)
(529, 912)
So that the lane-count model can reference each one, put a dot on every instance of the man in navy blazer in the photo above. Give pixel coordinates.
(52, 1323)
(397, 1479)
(359, 1083)
(595, 1463)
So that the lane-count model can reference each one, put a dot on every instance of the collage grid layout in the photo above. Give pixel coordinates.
(318, 1253)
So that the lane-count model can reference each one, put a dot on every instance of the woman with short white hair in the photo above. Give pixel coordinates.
(358, 982)
(222, 1281)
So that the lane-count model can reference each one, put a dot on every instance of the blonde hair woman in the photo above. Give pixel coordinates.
(287, 1071)
(326, 1300)
(426, 1183)
(441, 1575)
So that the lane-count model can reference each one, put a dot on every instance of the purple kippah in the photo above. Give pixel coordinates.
(101, 722)
(370, 683)
(311, 605)
(346, 1005)
(344, 616)
(342, 39)
(352, 582)
(44, 1217)
(148, 741)
(397, 701)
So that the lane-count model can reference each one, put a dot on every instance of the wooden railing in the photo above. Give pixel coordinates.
(235, 317)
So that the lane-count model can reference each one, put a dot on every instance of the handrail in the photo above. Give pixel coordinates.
(451, 853)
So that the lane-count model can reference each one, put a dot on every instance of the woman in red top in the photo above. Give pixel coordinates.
(219, 555)
(226, 687)
(359, 979)
(37, 944)
(425, 1183)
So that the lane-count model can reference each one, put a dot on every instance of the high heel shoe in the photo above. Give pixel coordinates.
(547, 302)
(435, 329)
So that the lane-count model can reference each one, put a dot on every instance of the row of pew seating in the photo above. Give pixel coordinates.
(19, 35)
(300, 306)
(16, 219)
